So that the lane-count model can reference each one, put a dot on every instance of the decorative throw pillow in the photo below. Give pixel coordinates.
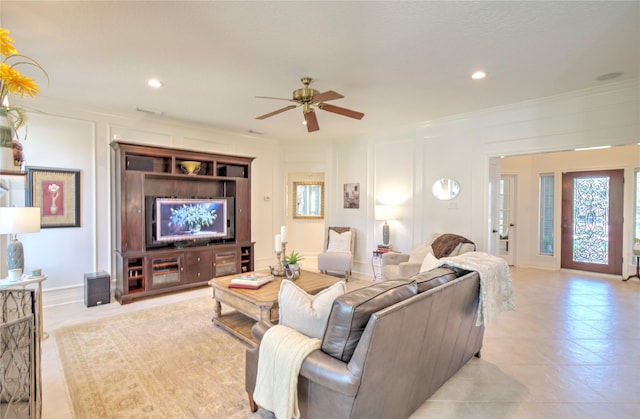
(307, 313)
(429, 262)
(417, 255)
(339, 242)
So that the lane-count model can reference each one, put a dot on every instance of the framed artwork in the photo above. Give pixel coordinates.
(57, 193)
(352, 195)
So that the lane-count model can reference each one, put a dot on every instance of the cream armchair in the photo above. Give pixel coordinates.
(406, 265)
(338, 256)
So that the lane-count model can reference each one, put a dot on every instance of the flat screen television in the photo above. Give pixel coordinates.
(188, 221)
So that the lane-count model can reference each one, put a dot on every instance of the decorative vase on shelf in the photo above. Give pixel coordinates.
(7, 145)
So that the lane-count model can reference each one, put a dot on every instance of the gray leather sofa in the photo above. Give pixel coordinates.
(387, 347)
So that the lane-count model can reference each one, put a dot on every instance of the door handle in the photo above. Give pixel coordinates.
(494, 231)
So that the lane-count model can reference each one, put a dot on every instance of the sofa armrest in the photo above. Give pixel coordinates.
(259, 329)
(317, 367)
(251, 356)
(407, 270)
(329, 372)
(393, 258)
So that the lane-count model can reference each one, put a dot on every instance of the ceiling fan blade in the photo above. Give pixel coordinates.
(276, 98)
(328, 95)
(341, 111)
(311, 120)
(267, 115)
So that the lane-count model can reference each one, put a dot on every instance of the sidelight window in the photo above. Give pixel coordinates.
(545, 233)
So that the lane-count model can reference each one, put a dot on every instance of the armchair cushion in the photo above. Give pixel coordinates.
(429, 262)
(339, 242)
(351, 311)
(418, 254)
(307, 313)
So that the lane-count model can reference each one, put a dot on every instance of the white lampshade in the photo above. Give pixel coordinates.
(18, 220)
(385, 212)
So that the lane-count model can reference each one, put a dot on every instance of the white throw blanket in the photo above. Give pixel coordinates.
(282, 351)
(496, 294)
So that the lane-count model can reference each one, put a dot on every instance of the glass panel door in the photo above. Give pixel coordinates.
(592, 221)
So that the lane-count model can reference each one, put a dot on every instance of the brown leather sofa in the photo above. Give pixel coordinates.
(387, 347)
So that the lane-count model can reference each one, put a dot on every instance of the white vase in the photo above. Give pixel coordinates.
(636, 249)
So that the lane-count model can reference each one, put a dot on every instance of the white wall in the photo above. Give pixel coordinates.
(405, 162)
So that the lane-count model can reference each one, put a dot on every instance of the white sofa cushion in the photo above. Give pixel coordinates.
(307, 313)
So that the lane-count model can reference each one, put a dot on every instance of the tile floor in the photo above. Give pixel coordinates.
(570, 350)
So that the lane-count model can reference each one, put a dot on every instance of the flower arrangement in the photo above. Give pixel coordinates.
(194, 216)
(14, 82)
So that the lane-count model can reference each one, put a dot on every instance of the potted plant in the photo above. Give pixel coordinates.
(292, 265)
(193, 216)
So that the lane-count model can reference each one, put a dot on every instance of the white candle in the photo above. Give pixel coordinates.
(278, 243)
(283, 234)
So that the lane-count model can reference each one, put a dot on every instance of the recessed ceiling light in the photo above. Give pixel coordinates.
(155, 83)
(478, 75)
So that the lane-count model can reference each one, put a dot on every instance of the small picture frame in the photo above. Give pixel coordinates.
(57, 193)
(352, 195)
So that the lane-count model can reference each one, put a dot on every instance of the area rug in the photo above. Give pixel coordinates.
(165, 362)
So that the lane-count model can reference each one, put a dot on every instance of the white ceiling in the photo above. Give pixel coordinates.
(401, 63)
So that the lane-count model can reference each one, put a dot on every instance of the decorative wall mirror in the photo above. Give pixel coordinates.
(445, 189)
(309, 200)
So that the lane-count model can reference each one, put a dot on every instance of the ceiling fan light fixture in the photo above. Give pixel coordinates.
(310, 99)
(479, 75)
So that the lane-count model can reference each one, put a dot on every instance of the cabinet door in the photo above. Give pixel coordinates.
(165, 271)
(132, 228)
(243, 209)
(226, 263)
(198, 266)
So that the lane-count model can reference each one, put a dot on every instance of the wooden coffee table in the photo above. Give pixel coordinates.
(250, 306)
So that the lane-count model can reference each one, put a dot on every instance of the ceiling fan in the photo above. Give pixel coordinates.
(309, 99)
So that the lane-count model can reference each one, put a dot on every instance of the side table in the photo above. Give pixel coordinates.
(376, 262)
(23, 284)
(637, 274)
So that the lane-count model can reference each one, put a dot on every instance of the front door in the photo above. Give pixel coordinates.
(592, 221)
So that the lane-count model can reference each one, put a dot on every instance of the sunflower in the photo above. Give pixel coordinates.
(6, 43)
(13, 81)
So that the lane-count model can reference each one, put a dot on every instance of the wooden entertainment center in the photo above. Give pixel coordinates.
(144, 269)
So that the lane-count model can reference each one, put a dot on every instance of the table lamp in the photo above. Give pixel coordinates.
(385, 213)
(18, 220)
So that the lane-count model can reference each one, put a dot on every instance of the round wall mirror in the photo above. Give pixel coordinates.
(445, 189)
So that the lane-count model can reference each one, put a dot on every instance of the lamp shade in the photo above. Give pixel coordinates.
(385, 212)
(17, 220)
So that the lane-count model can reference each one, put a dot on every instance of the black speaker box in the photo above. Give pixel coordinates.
(231, 171)
(141, 163)
(97, 289)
